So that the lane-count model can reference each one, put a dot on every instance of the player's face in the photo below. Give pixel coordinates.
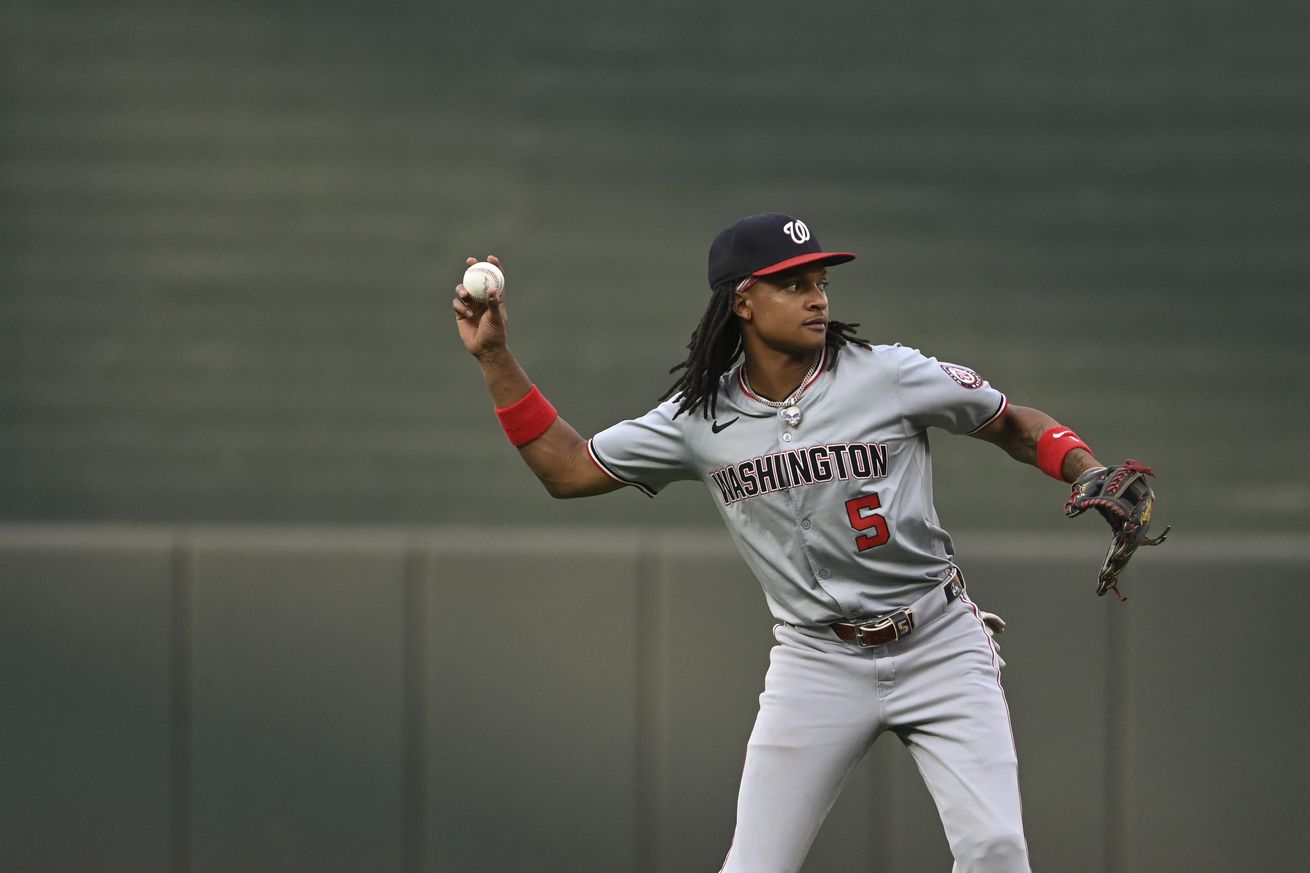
(787, 312)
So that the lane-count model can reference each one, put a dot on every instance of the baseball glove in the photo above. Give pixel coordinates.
(1121, 494)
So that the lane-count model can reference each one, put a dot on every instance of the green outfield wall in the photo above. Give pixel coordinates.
(204, 700)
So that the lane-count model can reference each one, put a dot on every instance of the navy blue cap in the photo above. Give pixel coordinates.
(764, 245)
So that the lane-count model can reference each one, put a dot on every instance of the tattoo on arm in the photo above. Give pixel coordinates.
(1078, 462)
(1024, 448)
(1018, 432)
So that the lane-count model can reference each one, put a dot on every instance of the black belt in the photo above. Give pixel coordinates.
(894, 625)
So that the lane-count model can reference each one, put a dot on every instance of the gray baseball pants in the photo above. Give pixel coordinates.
(826, 701)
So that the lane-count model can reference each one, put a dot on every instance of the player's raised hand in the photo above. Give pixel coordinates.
(481, 323)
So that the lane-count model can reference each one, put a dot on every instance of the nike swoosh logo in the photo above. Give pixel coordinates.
(716, 427)
(1056, 434)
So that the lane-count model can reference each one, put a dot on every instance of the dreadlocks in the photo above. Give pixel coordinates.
(716, 344)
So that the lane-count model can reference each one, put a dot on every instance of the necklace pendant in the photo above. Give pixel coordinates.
(791, 415)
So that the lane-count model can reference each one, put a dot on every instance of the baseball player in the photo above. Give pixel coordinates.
(813, 445)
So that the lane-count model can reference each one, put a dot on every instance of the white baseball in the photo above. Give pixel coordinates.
(483, 278)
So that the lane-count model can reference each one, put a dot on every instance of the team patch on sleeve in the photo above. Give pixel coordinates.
(966, 377)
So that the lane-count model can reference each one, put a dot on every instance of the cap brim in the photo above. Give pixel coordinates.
(823, 259)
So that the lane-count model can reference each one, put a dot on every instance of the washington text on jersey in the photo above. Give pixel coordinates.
(805, 465)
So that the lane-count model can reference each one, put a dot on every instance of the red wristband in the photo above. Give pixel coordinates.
(1052, 447)
(527, 418)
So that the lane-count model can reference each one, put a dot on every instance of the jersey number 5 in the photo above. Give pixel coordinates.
(861, 512)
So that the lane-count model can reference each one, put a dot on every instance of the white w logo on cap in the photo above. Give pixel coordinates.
(797, 230)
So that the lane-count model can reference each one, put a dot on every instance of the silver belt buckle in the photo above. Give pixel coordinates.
(901, 622)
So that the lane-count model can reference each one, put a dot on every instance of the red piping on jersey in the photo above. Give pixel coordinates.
(591, 454)
(595, 459)
(1005, 404)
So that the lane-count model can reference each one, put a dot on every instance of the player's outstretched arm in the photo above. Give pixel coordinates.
(1020, 429)
(558, 455)
(1119, 493)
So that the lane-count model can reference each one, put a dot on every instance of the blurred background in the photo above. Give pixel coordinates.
(274, 592)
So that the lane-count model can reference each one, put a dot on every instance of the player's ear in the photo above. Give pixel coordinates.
(741, 305)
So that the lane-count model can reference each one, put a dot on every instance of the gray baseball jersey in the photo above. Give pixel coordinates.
(834, 515)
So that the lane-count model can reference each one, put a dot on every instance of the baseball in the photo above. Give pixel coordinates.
(482, 278)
